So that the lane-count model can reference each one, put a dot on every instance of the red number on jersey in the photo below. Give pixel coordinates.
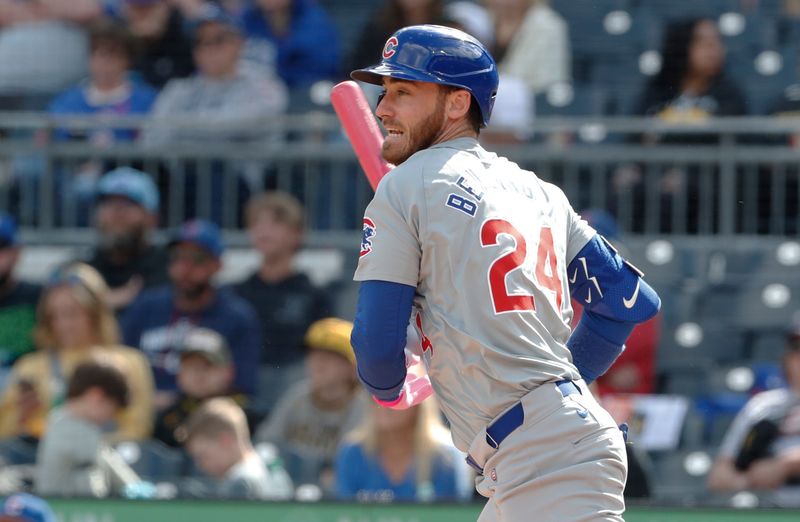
(502, 301)
(547, 257)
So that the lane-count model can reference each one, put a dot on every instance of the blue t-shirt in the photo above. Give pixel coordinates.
(361, 475)
(75, 101)
(307, 53)
(155, 326)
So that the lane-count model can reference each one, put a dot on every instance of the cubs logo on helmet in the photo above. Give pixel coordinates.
(366, 237)
(391, 47)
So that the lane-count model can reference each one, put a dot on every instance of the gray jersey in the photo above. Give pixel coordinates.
(487, 245)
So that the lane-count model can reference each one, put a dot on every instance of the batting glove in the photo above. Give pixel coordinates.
(415, 390)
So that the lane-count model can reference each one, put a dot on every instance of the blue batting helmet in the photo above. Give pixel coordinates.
(436, 54)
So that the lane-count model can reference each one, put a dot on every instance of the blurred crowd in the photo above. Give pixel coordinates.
(131, 366)
(249, 389)
(244, 59)
(234, 66)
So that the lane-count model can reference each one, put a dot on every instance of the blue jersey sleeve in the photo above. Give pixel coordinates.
(379, 336)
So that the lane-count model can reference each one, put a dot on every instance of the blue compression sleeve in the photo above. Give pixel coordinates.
(379, 336)
(593, 352)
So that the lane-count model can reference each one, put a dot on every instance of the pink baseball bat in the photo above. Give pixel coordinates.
(361, 128)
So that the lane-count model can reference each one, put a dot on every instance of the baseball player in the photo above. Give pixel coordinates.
(483, 257)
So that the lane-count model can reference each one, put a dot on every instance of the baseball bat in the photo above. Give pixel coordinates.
(361, 128)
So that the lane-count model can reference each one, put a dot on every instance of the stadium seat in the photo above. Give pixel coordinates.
(729, 267)
(623, 79)
(719, 410)
(765, 75)
(671, 10)
(781, 258)
(571, 9)
(747, 33)
(684, 375)
(153, 460)
(350, 18)
(681, 476)
(767, 303)
(572, 100)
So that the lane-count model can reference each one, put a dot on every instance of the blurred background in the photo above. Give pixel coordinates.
(181, 214)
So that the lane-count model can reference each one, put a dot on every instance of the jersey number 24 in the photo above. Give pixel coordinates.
(546, 255)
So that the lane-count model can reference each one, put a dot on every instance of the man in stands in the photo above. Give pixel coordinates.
(18, 300)
(126, 215)
(761, 450)
(160, 318)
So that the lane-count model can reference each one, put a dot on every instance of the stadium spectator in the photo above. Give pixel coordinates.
(634, 370)
(293, 38)
(44, 48)
(17, 300)
(160, 317)
(206, 371)
(24, 507)
(219, 91)
(531, 42)
(761, 450)
(401, 455)
(108, 91)
(390, 17)
(74, 323)
(692, 85)
(472, 18)
(311, 418)
(285, 300)
(73, 459)
(127, 204)
(217, 438)
(162, 47)
(231, 106)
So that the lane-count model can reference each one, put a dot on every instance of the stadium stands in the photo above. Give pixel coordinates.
(729, 286)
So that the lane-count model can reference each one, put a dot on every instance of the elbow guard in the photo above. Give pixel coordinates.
(610, 287)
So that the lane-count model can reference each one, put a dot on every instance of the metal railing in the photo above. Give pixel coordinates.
(721, 176)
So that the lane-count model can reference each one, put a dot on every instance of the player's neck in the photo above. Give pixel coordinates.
(455, 130)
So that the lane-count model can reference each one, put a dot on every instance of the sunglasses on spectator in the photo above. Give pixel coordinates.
(64, 277)
(193, 257)
(214, 41)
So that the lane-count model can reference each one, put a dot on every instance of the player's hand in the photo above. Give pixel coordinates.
(768, 473)
(412, 359)
(415, 390)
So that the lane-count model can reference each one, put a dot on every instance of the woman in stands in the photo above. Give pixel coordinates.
(531, 42)
(692, 84)
(691, 87)
(74, 321)
(401, 455)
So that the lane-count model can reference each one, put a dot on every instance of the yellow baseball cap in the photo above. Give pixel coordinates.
(333, 335)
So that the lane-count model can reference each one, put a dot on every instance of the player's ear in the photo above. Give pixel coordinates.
(458, 103)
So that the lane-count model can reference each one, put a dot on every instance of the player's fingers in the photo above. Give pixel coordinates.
(419, 389)
(411, 358)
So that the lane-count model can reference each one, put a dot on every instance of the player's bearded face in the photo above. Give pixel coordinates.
(408, 132)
